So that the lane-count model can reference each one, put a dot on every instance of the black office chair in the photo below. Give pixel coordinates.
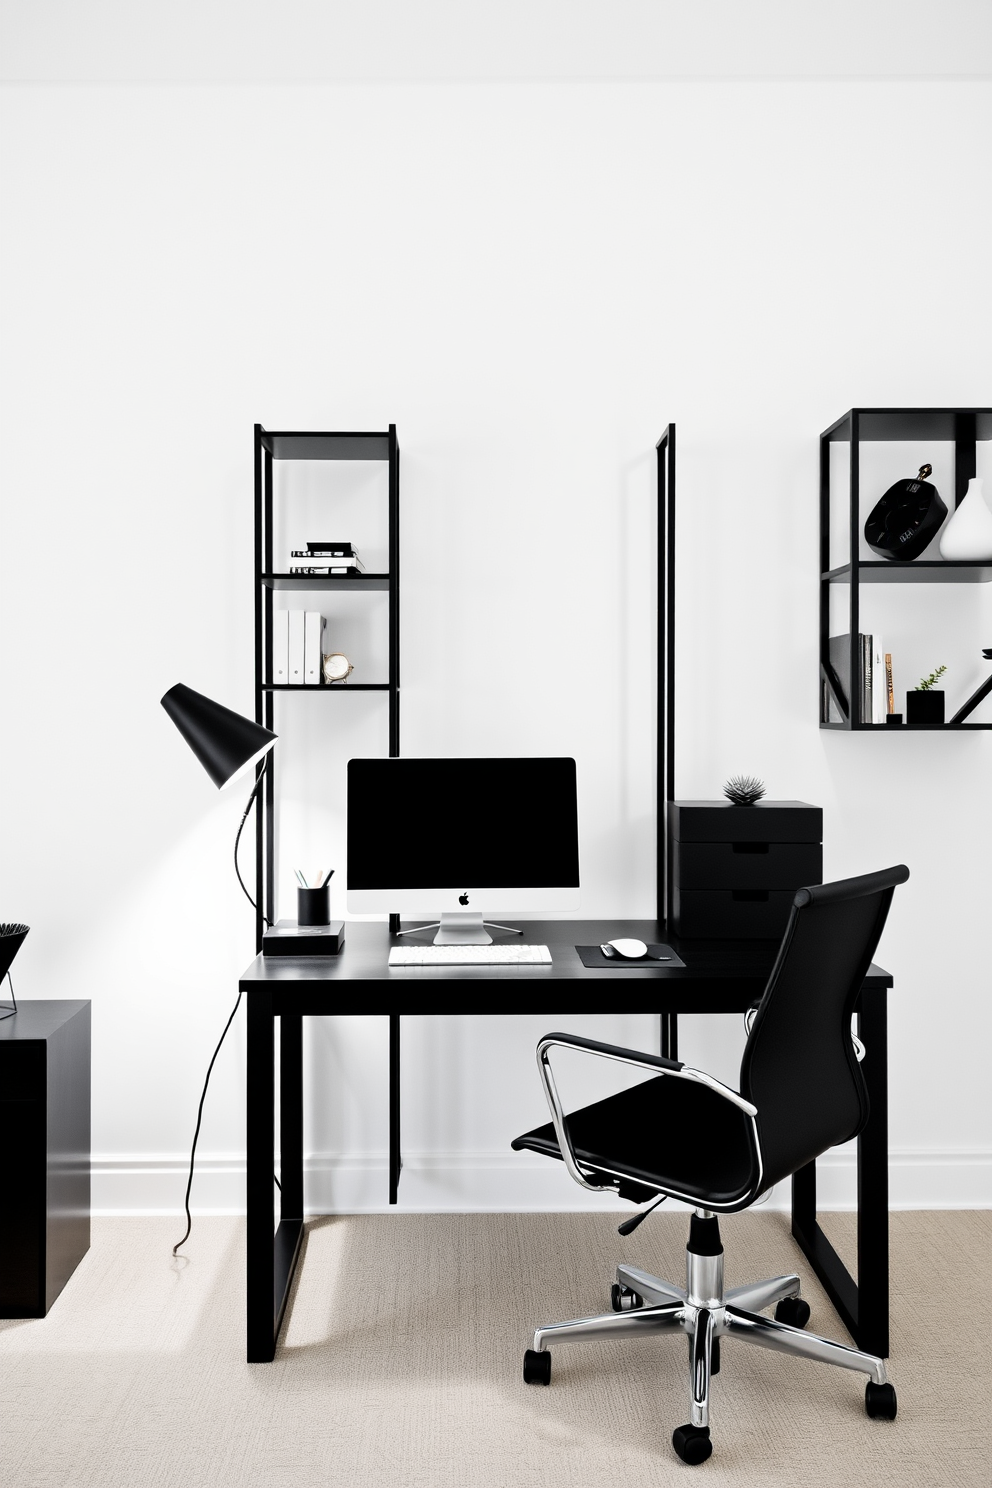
(685, 1135)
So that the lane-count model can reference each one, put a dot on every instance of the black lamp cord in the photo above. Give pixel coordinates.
(251, 798)
(210, 1067)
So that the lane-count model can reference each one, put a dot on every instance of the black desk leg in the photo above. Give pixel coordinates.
(272, 1252)
(291, 1115)
(873, 1181)
(863, 1305)
(669, 1036)
(395, 1156)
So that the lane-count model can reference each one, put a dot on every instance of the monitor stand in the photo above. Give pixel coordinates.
(458, 928)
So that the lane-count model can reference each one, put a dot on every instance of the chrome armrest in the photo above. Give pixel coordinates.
(656, 1063)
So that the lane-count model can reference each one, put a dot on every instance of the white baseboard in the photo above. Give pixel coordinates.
(465, 1182)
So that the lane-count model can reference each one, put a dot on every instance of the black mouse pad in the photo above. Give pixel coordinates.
(593, 957)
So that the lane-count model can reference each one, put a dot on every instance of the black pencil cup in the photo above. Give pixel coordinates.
(313, 906)
(924, 707)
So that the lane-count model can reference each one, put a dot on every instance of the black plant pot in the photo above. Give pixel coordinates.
(924, 707)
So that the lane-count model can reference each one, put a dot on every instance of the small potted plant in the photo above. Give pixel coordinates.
(925, 704)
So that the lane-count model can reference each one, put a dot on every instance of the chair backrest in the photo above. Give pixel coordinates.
(799, 1065)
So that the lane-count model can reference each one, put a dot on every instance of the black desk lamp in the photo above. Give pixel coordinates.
(226, 745)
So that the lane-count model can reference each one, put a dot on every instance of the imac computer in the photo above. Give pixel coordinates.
(461, 838)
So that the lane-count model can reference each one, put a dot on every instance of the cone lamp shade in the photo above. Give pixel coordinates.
(225, 743)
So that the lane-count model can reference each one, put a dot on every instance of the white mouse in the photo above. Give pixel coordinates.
(629, 948)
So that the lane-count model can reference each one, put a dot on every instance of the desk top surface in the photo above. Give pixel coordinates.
(364, 958)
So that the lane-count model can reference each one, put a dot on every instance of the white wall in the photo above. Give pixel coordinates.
(530, 279)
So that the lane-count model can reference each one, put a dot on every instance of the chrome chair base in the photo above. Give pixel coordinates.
(706, 1313)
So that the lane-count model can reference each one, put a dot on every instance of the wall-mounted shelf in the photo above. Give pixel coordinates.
(963, 427)
(917, 728)
(338, 582)
(269, 447)
(922, 571)
(326, 687)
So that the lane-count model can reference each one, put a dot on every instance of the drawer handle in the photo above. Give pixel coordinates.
(749, 896)
(749, 847)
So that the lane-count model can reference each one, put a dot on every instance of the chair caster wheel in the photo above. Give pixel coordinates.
(880, 1401)
(622, 1298)
(537, 1367)
(692, 1443)
(794, 1311)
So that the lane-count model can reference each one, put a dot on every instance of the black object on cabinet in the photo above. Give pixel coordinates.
(961, 426)
(45, 1108)
(269, 447)
(735, 869)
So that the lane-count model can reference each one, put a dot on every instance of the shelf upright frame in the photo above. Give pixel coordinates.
(665, 702)
(963, 427)
(270, 446)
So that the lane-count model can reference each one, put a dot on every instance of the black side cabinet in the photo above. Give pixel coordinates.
(735, 869)
(45, 1108)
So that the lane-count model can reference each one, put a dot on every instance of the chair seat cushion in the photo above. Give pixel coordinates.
(669, 1135)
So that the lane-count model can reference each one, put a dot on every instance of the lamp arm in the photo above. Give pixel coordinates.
(255, 790)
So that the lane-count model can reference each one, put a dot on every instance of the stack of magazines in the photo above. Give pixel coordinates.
(872, 691)
(326, 558)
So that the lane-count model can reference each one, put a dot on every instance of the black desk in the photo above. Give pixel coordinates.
(718, 977)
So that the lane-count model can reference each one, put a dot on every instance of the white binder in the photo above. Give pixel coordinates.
(280, 646)
(312, 636)
(296, 647)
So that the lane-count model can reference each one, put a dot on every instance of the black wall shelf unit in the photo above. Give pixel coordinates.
(269, 447)
(962, 427)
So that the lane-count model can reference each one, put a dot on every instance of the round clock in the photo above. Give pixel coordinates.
(337, 667)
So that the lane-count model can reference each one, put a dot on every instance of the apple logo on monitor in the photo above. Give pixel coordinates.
(463, 898)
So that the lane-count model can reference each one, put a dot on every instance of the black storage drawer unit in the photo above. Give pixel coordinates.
(45, 1109)
(735, 869)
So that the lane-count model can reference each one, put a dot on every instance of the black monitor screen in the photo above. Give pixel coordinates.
(429, 823)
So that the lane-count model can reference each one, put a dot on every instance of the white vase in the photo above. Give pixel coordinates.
(967, 536)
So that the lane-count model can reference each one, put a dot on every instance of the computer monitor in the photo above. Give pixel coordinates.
(461, 838)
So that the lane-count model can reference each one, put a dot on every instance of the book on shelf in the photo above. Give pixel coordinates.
(333, 549)
(871, 690)
(302, 561)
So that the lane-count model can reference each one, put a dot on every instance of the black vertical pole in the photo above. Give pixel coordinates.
(270, 777)
(665, 703)
(873, 1179)
(395, 1149)
(965, 454)
(856, 668)
(259, 695)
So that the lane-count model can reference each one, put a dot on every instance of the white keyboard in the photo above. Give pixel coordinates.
(470, 955)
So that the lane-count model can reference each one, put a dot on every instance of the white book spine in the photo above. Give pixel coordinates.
(313, 628)
(280, 646)
(296, 647)
(879, 688)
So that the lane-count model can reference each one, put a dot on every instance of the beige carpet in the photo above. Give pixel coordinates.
(401, 1364)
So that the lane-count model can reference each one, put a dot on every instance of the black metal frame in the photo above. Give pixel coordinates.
(282, 445)
(665, 702)
(962, 426)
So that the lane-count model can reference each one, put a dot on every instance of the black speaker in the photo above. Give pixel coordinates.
(906, 518)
